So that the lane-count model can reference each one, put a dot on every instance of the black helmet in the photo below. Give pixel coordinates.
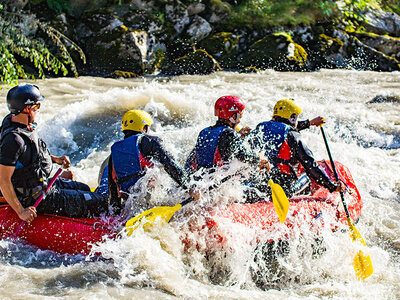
(22, 95)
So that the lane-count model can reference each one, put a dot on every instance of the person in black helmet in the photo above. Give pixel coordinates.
(26, 164)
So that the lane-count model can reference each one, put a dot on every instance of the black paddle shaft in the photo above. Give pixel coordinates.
(190, 199)
(335, 172)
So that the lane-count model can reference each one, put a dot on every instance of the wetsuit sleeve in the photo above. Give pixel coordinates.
(301, 125)
(190, 162)
(151, 147)
(230, 144)
(302, 153)
(11, 149)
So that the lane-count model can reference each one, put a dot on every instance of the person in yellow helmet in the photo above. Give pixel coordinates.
(280, 140)
(132, 156)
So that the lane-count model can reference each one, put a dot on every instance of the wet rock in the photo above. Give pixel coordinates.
(78, 7)
(178, 48)
(218, 10)
(364, 57)
(224, 47)
(199, 29)
(126, 40)
(15, 5)
(250, 70)
(384, 99)
(388, 45)
(196, 8)
(382, 22)
(122, 74)
(198, 62)
(178, 15)
(277, 51)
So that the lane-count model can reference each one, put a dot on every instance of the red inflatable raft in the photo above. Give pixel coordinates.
(321, 209)
(76, 236)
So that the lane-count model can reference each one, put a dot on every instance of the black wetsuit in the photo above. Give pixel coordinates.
(66, 198)
(300, 154)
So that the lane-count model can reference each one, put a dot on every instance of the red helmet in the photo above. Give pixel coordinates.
(227, 106)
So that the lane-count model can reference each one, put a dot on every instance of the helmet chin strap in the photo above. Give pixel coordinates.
(29, 113)
(292, 120)
(235, 119)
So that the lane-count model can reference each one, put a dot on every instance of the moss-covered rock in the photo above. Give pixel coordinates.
(219, 43)
(123, 74)
(197, 62)
(178, 48)
(224, 47)
(250, 70)
(363, 57)
(329, 45)
(388, 45)
(277, 51)
(156, 61)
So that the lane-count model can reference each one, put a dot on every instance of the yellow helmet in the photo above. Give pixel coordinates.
(135, 120)
(285, 108)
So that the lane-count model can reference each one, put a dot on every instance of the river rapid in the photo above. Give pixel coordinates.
(81, 117)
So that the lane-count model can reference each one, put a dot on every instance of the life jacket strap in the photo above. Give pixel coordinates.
(130, 177)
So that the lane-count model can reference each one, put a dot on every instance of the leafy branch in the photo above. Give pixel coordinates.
(20, 49)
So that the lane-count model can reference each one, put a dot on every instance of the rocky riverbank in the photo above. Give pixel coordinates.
(173, 38)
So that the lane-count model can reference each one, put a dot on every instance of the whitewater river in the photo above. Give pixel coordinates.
(81, 118)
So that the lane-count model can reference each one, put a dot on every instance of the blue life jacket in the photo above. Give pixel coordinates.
(207, 147)
(273, 136)
(126, 162)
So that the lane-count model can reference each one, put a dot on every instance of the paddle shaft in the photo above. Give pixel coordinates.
(42, 196)
(190, 199)
(335, 173)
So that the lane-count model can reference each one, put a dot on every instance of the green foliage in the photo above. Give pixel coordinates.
(20, 50)
(391, 5)
(259, 14)
(58, 6)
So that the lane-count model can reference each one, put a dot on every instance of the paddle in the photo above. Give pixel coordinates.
(280, 200)
(165, 213)
(42, 196)
(362, 263)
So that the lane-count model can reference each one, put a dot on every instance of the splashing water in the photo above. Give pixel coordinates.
(81, 117)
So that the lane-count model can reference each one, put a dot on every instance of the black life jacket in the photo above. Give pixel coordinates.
(26, 178)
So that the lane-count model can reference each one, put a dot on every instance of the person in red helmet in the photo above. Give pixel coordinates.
(221, 143)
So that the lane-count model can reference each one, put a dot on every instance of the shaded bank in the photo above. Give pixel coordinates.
(135, 38)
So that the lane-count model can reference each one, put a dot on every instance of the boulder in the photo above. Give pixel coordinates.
(178, 15)
(198, 29)
(178, 48)
(385, 99)
(277, 51)
(78, 7)
(363, 57)
(196, 8)
(119, 49)
(388, 45)
(197, 62)
(382, 22)
(224, 47)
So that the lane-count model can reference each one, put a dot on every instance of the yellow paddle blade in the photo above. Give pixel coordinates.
(160, 214)
(281, 202)
(362, 265)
